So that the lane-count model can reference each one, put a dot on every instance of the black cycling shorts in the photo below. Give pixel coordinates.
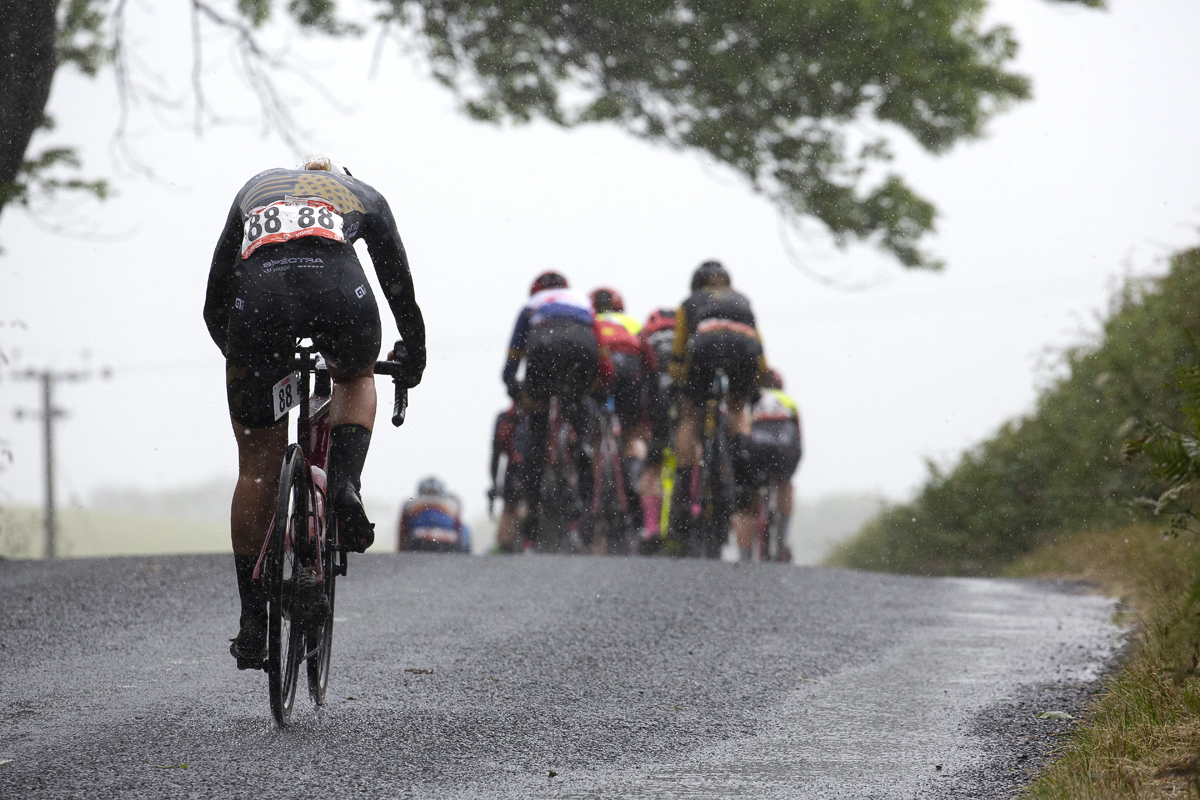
(627, 389)
(774, 450)
(561, 359)
(512, 492)
(736, 353)
(263, 328)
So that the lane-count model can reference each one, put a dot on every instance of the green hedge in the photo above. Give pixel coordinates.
(1059, 468)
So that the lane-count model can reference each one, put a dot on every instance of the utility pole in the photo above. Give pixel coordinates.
(48, 415)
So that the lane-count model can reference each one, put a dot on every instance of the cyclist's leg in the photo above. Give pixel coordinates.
(535, 466)
(578, 365)
(687, 446)
(627, 394)
(260, 451)
(260, 334)
(348, 332)
(506, 528)
(540, 365)
(651, 493)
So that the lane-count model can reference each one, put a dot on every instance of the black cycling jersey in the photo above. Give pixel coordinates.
(291, 232)
(717, 313)
(715, 303)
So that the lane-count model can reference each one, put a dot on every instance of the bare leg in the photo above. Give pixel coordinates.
(743, 528)
(739, 420)
(784, 498)
(260, 454)
(506, 528)
(687, 435)
(354, 400)
(744, 521)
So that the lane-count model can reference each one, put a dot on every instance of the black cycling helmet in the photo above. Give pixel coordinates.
(431, 486)
(605, 300)
(548, 280)
(710, 273)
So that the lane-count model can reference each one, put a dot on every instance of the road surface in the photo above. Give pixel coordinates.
(545, 676)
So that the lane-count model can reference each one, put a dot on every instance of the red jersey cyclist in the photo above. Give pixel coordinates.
(619, 334)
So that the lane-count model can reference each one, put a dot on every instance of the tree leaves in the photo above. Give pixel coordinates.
(799, 96)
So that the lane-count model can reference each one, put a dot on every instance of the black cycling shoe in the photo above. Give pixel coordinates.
(355, 532)
(249, 647)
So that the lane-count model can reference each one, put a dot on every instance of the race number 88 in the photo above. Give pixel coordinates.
(285, 397)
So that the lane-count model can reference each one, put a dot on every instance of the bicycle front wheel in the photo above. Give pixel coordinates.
(285, 643)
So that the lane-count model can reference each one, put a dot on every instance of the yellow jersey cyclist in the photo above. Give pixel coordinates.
(285, 268)
(714, 329)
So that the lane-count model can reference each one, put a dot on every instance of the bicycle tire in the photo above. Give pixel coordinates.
(285, 641)
(554, 534)
(717, 513)
(318, 664)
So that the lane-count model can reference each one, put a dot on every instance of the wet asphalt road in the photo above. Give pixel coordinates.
(551, 677)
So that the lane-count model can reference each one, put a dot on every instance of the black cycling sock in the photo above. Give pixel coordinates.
(743, 470)
(681, 502)
(348, 446)
(252, 592)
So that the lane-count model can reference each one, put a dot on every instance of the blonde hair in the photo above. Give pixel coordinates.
(317, 162)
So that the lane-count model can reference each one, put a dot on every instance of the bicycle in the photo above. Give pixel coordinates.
(560, 503)
(301, 550)
(608, 515)
(713, 485)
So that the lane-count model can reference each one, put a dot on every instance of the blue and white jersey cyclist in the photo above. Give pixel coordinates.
(432, 521)
(285, 268)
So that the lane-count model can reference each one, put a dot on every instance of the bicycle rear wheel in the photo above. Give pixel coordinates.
(285, 640)
(717, 512)
(318, 662)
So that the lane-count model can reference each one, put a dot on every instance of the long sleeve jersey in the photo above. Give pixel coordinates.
(281, 212)
(547, 306)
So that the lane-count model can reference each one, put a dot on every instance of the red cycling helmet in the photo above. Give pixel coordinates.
(605, 300)
(659, 319)
(774, 380)
(548, 280)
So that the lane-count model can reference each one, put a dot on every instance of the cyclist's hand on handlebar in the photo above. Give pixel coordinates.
(407, 380)
(514, 390)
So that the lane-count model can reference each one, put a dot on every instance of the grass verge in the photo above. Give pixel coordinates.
(1141, 738)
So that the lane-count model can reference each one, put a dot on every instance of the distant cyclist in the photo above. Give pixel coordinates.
(776, 446)
(619, 335)
(508, 440)
(555, 336)
(658, 336)
(432, 521)
(285, 268)
(714, 329)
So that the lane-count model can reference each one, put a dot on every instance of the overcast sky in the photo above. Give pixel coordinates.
(1093, 179)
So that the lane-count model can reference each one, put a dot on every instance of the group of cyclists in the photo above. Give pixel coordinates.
(285, 269)
(583, 356)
